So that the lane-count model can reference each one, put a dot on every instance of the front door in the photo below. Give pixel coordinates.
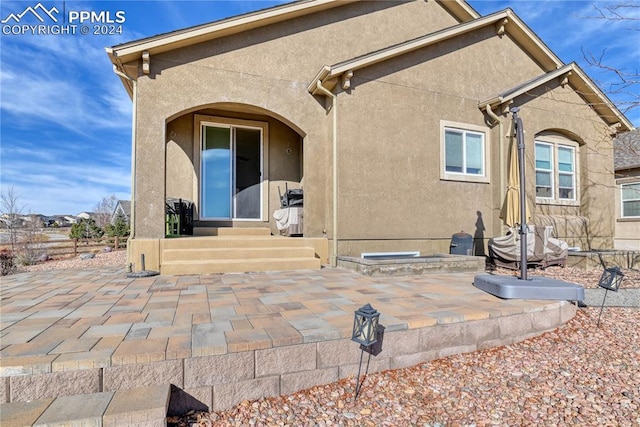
(231, 172)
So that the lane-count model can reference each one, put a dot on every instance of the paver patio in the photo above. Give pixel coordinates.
(89, 331)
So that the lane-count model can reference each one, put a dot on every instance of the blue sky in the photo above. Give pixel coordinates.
(65, 118)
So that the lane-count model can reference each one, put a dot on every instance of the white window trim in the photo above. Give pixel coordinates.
(622, 201)
(555, 142)
(486, 153)
(552, 162)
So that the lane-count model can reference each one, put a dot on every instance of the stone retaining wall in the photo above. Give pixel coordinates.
(221, 381)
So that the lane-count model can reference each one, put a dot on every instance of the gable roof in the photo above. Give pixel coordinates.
(582, 84)
(125, 205)
(131, 51)
(626, 150)
(504, 21)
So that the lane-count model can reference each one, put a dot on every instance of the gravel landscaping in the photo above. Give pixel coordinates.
(588, 279)
(102, 259)
(578, 375)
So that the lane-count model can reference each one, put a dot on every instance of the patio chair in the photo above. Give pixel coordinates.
(291, 198)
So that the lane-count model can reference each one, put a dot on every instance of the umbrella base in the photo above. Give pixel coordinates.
(543, 288)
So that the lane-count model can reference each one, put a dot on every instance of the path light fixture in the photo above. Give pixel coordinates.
(610, 280)
(365, 333)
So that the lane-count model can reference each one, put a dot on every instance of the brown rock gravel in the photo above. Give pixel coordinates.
(102, 259)
(588, 279)
(578, 375)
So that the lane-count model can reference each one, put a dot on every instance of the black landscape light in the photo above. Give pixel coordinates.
(365, 333)
(610, 280)
(365, 325)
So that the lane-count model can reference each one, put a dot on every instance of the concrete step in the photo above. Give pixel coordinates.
(211, 254)
(239, 265)
(141, 406)
(231, 231)
(210, 242)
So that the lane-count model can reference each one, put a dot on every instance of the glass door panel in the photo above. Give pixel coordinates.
(231, 172)
(216, 172)
(248, 161)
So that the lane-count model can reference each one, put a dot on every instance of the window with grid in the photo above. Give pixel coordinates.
(630, 200)
(555, 171)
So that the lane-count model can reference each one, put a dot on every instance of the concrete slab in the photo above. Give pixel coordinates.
(140, 406)
(537, 288)
(85, 409)
(19, 414)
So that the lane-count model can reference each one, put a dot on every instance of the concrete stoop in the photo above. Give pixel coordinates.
(145, 406)
(142, 407)
(239, 250)
(140, 394)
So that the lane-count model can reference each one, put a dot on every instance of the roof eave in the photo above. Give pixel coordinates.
(581, 84)
(174, 40)
(514, 26)
(128, 85)
(511, 94)
(385, 54)
(599, 100)
(460, 9)
(319, 77)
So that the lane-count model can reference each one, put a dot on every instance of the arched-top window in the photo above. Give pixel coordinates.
(556, 161)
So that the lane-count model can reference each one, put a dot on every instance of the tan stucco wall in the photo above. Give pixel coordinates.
(271, 71)
(391, 196)
(562, 110)
(389, 185)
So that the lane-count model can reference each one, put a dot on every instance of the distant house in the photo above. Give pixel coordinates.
(627, 167)
(59, 220)
(71, 219)
(35, 220)
(394, 114)
(86, 215)
(123, 208)
(11, 221)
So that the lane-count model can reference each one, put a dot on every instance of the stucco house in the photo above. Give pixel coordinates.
(627, 166)
(393, 116)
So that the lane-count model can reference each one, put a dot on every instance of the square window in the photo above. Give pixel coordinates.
(630, 200)
(464, 155)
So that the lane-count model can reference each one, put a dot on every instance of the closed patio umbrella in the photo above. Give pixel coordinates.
(510, 212)
(517, 211)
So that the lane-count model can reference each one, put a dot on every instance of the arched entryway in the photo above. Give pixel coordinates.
(232, 161)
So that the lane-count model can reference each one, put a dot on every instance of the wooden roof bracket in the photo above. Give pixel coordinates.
(500, 27)
(346, 80)
(614, 129)
(506, 106)
(146, 60)
(565, 80)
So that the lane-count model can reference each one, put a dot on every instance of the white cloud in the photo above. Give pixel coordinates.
(67, 82)
(49, 179)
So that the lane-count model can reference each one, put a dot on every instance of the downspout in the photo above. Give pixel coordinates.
(503, 178)
(134, 90)
(334, 108)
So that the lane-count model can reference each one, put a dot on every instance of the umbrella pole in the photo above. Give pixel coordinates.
(517, 121)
